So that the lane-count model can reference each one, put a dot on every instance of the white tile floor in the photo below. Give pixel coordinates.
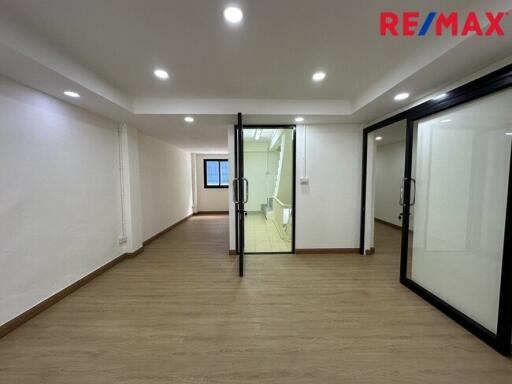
(261, 235)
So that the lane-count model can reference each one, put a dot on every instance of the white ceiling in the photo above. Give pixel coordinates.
(272, 55)
(208, 133)
(107, 50)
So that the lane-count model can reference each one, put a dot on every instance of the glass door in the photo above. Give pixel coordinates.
(454, 209)
(240, 194)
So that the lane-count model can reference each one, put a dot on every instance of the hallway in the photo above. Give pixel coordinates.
(178, 313)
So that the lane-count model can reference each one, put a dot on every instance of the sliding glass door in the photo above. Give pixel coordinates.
(455, 203)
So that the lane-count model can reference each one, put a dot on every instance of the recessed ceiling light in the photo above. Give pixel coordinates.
(378, 138)
(401, 96)
(439, 97)
(72, 94)
(161, 74)
(258, 134)
(446, 120)
(299, 119)
(189, 119)
(318, 76)
(233, 15)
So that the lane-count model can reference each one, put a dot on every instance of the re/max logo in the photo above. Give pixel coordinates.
(451, 22)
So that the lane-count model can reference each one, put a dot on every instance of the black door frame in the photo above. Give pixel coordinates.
(294, 170)
(486, 85)
(239, 194)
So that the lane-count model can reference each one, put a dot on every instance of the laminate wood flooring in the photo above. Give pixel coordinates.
(178, 313)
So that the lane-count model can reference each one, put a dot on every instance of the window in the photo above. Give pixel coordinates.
(216, 173)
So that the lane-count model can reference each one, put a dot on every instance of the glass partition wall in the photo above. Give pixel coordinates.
(456, 247)
(460, 170)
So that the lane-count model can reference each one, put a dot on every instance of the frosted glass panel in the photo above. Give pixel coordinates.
(461, 163)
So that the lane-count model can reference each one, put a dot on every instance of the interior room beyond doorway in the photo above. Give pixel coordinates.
(385, 165)
(268, 168)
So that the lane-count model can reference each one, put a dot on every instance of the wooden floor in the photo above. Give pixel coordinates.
(178, 313)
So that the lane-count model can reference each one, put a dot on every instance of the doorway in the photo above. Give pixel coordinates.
(273, 204)
(385, 157)
(269, 167)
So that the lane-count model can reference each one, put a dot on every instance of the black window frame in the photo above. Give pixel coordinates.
(205, 184)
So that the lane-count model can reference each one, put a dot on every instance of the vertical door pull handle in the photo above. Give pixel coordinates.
(401, 200)
(235, 191)
(246, 190)
(413, 194)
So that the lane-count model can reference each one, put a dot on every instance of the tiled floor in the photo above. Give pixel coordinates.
(261, 235)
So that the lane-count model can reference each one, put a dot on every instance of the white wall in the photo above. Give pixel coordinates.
(209, 199)
(261, 184)
(328, 208)
(369, 218)
(231, 205)
(166, 184)
(389, 172)
(284, 189)
(60, 196)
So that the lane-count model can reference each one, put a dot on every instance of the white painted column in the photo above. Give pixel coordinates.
(194, 183)
(369, 227)
(130, 188)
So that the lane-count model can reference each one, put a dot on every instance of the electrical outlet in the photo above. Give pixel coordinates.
(123, 240)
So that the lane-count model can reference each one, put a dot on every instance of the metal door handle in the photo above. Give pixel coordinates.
(246, 190)
(235, 191)
(414, 194)
(401, 200)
